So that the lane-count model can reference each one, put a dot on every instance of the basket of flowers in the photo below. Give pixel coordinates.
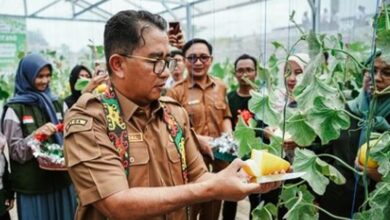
(224, 147)
(50, 156)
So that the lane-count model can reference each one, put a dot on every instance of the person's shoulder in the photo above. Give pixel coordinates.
(174, 106)
(180, 83)
(88, 105)
(232, 94)
(170, 101)
(217, 81)
(83, 114)
(178, 89)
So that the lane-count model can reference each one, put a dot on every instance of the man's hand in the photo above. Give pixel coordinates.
(47, 129)
(232, 184)
(371, 172)
(9, 203)
(176, 40)
(96, 81)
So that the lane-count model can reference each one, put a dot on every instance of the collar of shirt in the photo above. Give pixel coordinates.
(191, 83)
(129, 108)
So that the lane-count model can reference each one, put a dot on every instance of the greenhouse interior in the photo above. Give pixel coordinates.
(201, 109)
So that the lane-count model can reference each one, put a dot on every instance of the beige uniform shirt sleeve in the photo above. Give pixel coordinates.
(93, 163)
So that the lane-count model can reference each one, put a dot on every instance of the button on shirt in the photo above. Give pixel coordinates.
(96, 168)
(206, 104)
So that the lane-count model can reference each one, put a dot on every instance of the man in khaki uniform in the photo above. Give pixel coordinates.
(140, 173)
(204, 98)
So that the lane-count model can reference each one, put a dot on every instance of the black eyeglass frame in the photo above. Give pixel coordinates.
(171, 63)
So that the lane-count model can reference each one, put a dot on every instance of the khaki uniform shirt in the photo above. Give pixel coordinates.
(206, 105)
(96, 168)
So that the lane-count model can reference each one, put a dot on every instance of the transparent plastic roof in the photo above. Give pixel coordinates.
(232, 26)
(101, 10)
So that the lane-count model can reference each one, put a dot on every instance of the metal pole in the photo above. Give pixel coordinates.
(315, 6)
(189, 30)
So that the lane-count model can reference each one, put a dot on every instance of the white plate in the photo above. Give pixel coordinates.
(280, 177)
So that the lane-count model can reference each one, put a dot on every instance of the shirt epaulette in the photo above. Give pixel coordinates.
(83, 101)
(167, 99)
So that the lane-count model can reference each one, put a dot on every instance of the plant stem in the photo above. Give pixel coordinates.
(373, 196)
(371, 115)
(294, 185)
(300, 197)
(383, 92)
(387, 16)
(342, 162)
(351, 115)
(340, 92)
(348, 54)
(251, 84)
(325, 211)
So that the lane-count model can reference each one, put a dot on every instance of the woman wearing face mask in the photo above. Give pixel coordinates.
(41, 194)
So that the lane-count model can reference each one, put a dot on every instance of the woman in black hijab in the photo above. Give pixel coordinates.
(77, 72)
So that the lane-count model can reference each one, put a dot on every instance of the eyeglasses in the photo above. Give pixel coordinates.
(158, 64)
(384, 72)
(193, 58)
(245, 70)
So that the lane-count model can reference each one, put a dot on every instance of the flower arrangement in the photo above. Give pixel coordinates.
(50, 156)
(224, 147)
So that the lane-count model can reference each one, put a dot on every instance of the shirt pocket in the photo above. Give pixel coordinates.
(139, 165)
(218, 111)
(195, 111)
(175, 164)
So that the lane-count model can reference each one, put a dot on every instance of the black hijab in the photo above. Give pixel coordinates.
(74, 76)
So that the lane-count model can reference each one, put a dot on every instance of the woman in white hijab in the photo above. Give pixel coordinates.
(294, 67)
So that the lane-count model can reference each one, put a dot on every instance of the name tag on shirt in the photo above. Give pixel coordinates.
(135, 137)
(194, 102)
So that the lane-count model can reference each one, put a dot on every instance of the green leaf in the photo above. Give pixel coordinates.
(81, 84)
(327, 121)
(100, 51)
(300, 130)
(297, 200)
(316, 170)
(245, 136)
(262, 107)
(308, 74)
(264, 212)
(4, 90)
(331, 172)
(272, 61)
(314, 44)
(313, 90)
(275, 146)
(379, 203)
(218, 71)
(380, 152)
(277, 45)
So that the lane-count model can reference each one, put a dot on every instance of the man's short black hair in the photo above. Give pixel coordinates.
(197, 41)
(176, 52)
(244, 57)
(124, 31)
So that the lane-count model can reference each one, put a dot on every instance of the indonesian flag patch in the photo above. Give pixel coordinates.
(28, 119)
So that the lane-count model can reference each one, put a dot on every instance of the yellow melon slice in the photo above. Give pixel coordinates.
(362, 153)
(263, 163)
